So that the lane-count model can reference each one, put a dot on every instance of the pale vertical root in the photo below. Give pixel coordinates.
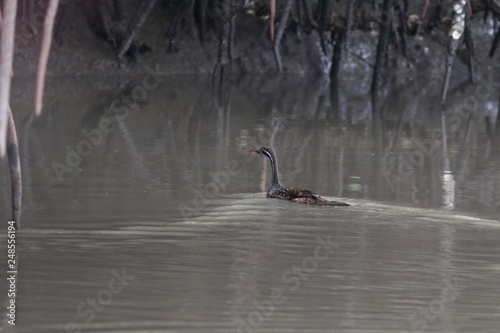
(272, 8)
(6, 56)
(424, 12)
(48, 26)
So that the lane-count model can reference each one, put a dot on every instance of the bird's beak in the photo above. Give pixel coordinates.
(253, 151)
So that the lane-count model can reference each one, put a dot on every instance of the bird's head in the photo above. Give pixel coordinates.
(262, 151)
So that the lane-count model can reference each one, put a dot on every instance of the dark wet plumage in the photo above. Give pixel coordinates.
(276, 190)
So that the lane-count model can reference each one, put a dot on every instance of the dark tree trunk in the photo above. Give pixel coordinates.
(322, 11)
(469, 43)
(402, 28)
(383, 43)
(118, 10)
(199, 11)
(334, 71)
(225, 33)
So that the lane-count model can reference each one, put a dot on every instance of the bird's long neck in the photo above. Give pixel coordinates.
(274, 167)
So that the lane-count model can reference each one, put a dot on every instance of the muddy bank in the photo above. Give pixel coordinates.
(235, 38)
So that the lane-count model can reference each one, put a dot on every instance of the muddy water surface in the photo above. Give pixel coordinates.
(151, 216)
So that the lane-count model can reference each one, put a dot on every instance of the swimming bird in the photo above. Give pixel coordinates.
(276, 190)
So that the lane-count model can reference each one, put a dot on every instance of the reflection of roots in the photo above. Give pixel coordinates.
(15, 169)
(8, 135)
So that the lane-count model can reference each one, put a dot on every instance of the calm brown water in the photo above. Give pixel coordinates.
(161, 224)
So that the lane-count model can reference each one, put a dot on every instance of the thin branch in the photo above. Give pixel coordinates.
(172, 30)
(308, 14)
(6, 56)
(103, 16)
(424, 12)
(349, 17)
(135, 25)
(48, 26)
